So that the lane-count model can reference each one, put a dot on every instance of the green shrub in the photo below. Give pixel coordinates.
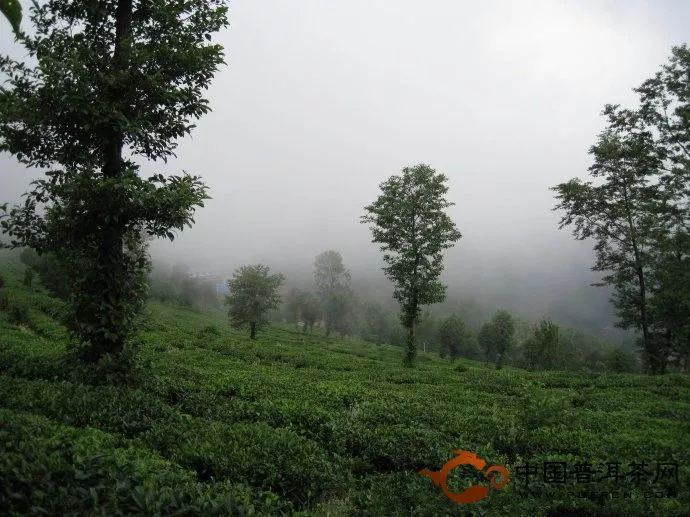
(115, 409)
(55, 470)
(29, 275)
(619, 361)
(277, 460)
(209, 330)
(17, 311)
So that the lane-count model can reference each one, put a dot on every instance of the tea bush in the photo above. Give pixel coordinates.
(300, 424)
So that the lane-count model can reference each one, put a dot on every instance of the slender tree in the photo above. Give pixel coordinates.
(113, 81)
(409, 222)
(638, 210)
(332, 279)
(253, 292)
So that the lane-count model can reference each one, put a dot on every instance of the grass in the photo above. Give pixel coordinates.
(294, 423)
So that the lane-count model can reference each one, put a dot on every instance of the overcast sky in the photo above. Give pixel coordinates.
(322, 100)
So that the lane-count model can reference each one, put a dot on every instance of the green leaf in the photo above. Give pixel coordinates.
(12, 10)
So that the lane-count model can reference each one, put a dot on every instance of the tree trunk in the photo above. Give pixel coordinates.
(107, 283)
(650, 346)
(411, 352)
(252, 330)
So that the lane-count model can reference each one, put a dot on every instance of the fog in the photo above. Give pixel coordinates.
(321, 101)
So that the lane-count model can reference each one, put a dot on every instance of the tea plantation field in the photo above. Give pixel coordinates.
(215, 424)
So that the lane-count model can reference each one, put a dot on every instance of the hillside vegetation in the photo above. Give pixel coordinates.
(216, 424)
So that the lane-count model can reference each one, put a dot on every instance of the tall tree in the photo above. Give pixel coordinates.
(253, 292)
(331, 280)
(409, 222)
(638, 212)
(113, 81)
(665, 109)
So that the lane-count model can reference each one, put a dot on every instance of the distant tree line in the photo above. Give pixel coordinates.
(333, 306)
(503, 340)
(179, 287)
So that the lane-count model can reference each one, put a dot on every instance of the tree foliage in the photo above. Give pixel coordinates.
(114, 81)
(376, 323)
(340, 311)
(310, 310)
(638, 211)
(543, 350)
(53, 273)
(454, 337)
(332, 280)
(302, 306)
(12, 10)
(409, 222)
(496, 336)
(253, 292)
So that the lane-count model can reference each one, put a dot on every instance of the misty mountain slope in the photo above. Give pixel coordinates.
(213, 422)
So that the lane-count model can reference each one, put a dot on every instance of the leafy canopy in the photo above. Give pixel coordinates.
(453, 336)
(112, 82)
(409, 222)
(253, 292)
(543, 349)
(637, 210)
(496, 336)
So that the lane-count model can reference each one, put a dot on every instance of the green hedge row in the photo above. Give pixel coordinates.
(48, 469)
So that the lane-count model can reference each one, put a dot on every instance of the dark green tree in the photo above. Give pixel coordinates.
(619, 361)
(543, 350)
(638, 212)
(310, 310)
(496, 337)
(113, 82)
(12, 10)
(302, 306)
(54, 274)
(331, 279)
(409, 222)
(340, 311)
(376, 323)
(253, 293)
(292, 305)
(453, 337)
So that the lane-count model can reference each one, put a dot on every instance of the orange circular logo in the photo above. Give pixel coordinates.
(475, 492)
